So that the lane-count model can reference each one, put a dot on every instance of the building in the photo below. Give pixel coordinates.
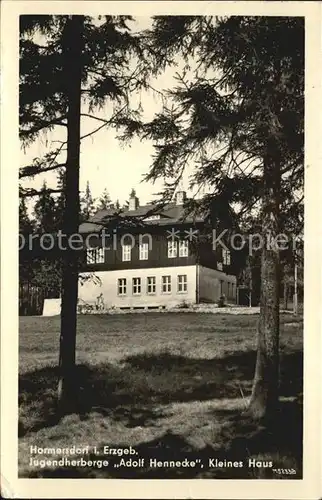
(152, 259)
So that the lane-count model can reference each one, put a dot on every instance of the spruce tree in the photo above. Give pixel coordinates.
(60, 200)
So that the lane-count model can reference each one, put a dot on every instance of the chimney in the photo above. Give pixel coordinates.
(180, 197)
(134, 202)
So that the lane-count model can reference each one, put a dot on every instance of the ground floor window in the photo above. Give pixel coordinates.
(166, 284)
(151, 284)
(121, 286)
(182, 283)
(136, 286)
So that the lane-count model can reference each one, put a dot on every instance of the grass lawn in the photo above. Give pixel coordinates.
(170, 385)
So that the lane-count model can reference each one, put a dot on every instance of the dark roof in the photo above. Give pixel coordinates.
(169, 214)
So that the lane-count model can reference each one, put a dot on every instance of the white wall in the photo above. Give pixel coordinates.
(88, 292)
(210, 288)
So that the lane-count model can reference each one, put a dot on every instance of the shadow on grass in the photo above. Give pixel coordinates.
(132, 391)
(239, 440)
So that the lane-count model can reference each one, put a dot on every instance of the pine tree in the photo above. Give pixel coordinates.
(104, 201)
(87, 203)
(72, 67)
(59, 82)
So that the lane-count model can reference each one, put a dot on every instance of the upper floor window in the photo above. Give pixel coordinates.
(126, 252)
(144, 251)
(166, 284)
(172, 249)
(226, 257)
(136, 286)
(182, 283)
(121, 286)
(95, 256)
(151, 284)
(183, 248)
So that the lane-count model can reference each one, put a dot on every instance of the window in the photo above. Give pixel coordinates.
(182, 283)
(226, 257)
(121, 286)
(126, 252)
(95, 256)
(166, 284)
(172, 249)
(151, 284)
(144, 251)
(136, 286)
(183, 248)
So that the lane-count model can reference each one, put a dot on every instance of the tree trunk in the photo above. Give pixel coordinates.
(73, 67)
(285, 294)
(264, 397)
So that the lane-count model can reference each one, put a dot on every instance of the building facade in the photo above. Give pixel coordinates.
(152, 259)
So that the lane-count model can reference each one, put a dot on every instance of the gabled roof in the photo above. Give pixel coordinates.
(169, 214)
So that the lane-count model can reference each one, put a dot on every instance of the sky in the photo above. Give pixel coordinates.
(104, 161)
